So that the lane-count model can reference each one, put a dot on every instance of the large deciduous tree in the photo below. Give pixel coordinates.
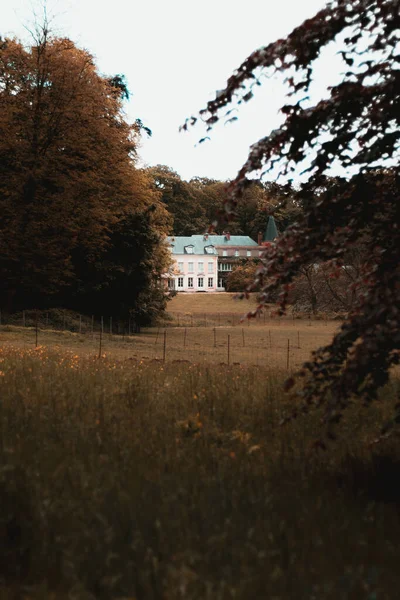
(355, 130)
(67, 167)
(180, 199)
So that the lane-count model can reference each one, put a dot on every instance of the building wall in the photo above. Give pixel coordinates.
(191, 269)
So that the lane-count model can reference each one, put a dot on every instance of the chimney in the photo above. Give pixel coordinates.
(205, 237)
(259, 238)
(227, 236)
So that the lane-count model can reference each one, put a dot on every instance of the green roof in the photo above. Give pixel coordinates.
(198, 242)
(271, 232)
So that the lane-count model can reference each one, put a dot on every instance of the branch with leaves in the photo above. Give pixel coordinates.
(355, 128)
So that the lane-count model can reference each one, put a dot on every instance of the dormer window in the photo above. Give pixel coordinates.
(209, 249)
(189, 249)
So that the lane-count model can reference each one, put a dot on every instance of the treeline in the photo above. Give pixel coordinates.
(197, 203)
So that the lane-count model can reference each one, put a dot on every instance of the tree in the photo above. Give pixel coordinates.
(179, 198)
(242, 276)
(356, 129)
(67, 168)
(125, 281)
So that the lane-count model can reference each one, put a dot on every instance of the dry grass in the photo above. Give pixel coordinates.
(211, 303)
(126, 478)
(250, 342)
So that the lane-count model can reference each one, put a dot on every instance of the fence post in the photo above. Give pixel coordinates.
(243, 336)
(100, 340)
(191, 316)
(102, 325)
(229, 348)
(110, 326)
(165, 345)
(36, 330)
(288, 354)
(215, 338)
(298, 339)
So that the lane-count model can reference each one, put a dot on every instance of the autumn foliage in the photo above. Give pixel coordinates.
(67, 175)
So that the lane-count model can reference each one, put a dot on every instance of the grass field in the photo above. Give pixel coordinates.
(133, 478)
(280, 343)
(211, 303)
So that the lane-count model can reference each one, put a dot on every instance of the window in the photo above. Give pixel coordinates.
(221, 283)
(180, 267)
(201, 267)
(189, 249)
(236, 252)
(180, 282)
(171, 284)
(200, 282)
(211, 267)
(225, 267)
(248, 252)
(210, 282)
(190, 282)
(191, 267)
(224, 253)
(209, 249)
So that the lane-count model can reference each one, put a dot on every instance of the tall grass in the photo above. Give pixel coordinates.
(133, 479)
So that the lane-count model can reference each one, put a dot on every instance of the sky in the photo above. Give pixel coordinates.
(175, 54)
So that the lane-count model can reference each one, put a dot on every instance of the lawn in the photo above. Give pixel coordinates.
(223, 302)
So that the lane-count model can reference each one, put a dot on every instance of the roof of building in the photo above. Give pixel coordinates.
(199, 244)
(271, 232)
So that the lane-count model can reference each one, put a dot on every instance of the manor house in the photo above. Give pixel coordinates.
(203, 262)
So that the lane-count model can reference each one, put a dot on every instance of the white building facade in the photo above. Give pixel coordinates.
(195, 266)
(202, 262)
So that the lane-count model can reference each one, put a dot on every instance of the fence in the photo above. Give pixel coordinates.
(277, 341)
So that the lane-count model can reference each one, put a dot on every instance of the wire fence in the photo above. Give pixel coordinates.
(216, 338)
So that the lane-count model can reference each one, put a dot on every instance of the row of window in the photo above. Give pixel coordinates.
(224, 252)
(200, 282)
(200, 267)
(225, 267)
(237, 253)
(207, 249)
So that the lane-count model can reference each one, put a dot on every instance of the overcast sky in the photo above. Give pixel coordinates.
(175, 54)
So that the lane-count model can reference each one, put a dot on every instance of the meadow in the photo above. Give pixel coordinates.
(128, 477)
